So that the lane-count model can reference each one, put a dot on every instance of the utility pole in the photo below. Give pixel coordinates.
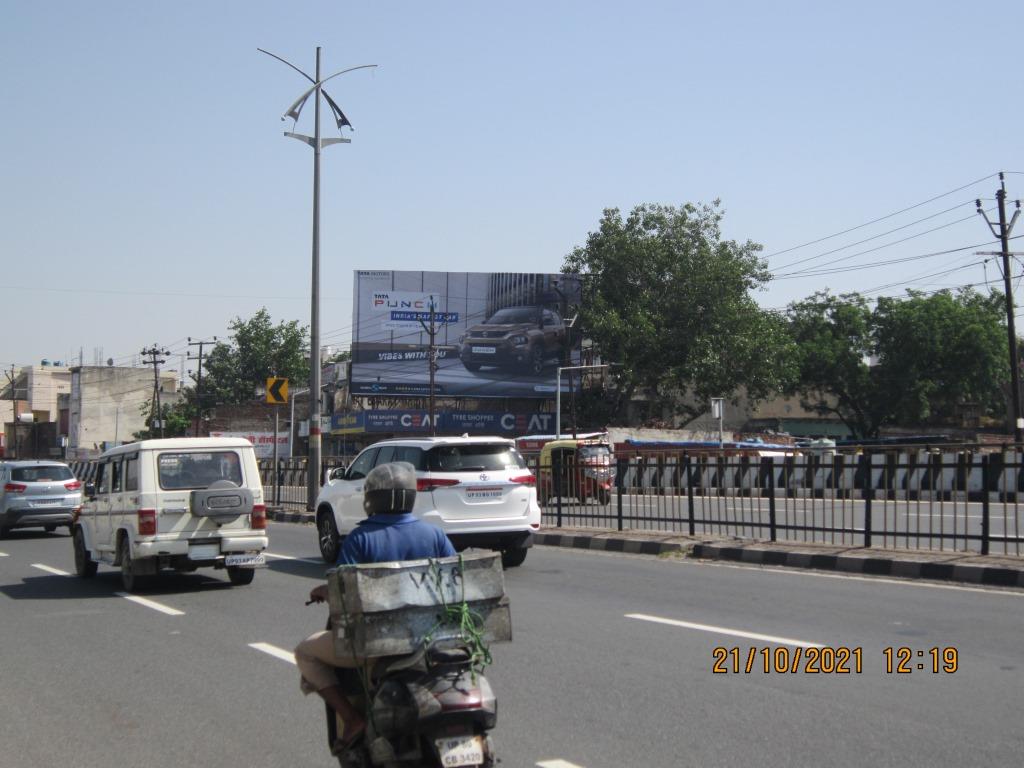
(155, 360)
(199, 379)
(317, 143)
(1003, 233)
(431, 331)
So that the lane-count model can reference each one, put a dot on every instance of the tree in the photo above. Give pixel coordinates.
(834, 339)
(669, 300)
(258, 349)
(909, 361)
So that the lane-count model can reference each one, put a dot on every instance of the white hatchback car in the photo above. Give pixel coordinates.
(478, 490)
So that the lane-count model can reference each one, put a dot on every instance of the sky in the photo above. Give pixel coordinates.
(148, 195)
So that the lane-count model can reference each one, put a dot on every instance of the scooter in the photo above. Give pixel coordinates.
(430, 708)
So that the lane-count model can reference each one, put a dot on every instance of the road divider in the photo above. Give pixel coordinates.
(773, 639)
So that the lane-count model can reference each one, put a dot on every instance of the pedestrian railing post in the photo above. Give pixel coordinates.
(687, 470)
(985, 505)
(867, 493)
(277, 483)
(769, 463)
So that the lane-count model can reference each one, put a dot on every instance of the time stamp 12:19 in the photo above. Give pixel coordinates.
(839, 660)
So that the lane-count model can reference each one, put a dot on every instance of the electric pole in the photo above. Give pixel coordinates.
(199, 379)
(1003, 233)
(431, 331)
(154, 353)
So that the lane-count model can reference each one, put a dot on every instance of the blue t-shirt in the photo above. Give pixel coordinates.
(389, 538)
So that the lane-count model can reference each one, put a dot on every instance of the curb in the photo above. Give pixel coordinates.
(613, 544)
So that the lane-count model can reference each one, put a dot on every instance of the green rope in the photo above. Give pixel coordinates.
(469, 623)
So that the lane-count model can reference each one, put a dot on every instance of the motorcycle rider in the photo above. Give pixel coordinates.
(389, 534)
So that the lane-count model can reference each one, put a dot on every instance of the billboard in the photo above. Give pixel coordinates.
(469, 422)
(495, 334)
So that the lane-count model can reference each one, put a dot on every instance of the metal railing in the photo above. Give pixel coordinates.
(953, 499)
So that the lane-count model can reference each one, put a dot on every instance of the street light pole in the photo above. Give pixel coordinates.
(558, 391)
(317, 143)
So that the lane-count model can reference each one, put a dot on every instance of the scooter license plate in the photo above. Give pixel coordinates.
(456, 751)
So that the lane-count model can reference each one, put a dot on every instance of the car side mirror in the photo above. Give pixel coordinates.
(90, 490)
(338, 473)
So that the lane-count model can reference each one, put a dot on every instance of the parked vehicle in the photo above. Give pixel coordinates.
(37, 494)
(478, 490)
(576, 469)
(519, 338)
(179, 503)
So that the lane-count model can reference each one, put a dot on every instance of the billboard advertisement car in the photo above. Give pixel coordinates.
(495, 334)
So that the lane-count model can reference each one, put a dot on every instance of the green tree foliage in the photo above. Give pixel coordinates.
(667, 298)
(258, 349)
(908, 361)
(177, 420)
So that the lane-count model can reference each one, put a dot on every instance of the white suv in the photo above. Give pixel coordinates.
(478, 490)
(180, 503)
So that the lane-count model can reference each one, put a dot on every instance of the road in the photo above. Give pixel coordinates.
(611, 665)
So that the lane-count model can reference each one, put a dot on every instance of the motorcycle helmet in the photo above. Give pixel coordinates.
(390, 488)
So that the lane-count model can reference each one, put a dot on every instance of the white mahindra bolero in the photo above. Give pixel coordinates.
(179, 503)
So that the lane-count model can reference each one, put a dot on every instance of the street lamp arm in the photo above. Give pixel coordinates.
(284, 61)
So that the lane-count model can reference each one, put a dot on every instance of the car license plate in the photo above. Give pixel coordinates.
(484, 350)
(203, 551)
(483, 493)
(457, 751)
(46, 503)
(246, 561)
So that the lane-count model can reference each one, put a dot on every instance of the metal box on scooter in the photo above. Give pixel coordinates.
(390, 609)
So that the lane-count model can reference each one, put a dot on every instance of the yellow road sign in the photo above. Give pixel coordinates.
(277, 390)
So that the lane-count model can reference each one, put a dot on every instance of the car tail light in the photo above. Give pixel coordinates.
(258, 518)
(527, 479)
(147, 522)
(73, 485)
(430, 483)
(15, 487)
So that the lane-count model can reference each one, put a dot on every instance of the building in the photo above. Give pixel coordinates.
(30, 411)
(106, 405)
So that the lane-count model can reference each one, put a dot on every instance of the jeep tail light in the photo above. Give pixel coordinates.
(15, 487)
(73, 485)
(430, 483)
(147, 522)
(527, 479)
(258, 518)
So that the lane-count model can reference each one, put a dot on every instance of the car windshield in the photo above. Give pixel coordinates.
(41, 473)
(514, 315)
(198, 470)
(473, 458)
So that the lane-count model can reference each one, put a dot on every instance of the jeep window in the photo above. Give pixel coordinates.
(178, 471)
(362, 464)
(115, 476)
(41, 474)
(131, 473)
(101, 472)
(511, 315)
(473, 458)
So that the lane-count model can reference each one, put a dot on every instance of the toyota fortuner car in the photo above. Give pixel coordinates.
(478, 490)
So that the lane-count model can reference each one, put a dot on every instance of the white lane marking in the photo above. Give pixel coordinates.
(151, 604)
(783, 571)
(290, 557)
(3, 554)
(273, 650)
(48, 569)
(557, 764)
(725, 631)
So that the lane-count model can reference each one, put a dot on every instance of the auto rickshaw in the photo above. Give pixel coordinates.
(576, 469)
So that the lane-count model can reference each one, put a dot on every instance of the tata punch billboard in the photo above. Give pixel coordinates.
(497, 334)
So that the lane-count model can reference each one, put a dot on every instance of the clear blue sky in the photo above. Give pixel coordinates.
(147, 192)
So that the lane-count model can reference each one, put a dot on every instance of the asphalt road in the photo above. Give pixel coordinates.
(611, 665)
